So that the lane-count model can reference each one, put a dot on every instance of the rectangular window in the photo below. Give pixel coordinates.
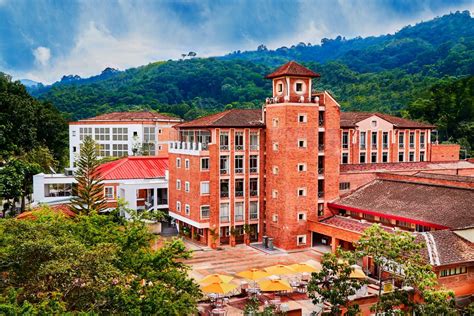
(178, 184)
(239, 140)
(104, 150)
(224, 141)
(385, 140)
(401, 157)
(275, 146)
(149, 135)
(178, 162)
(345, 140)
(224, 164)
(239, 164)
(186, 164)
(280, 87)
(254, 142)
(253, 163)
(119, 133)
(403, 224)
(204, 187)
(186, 186)
(187, 209)
(205, 211)
(224, 188)
(302, 143)
(362, 140)
(368, 217)
(239, 187)
(239, 211)
(422, 156)
(345, 158)
(373, 157)
(422, 140)
(301, 167)
(401, 140)
(421, 228)
(109, 193)
(274, 193)
(119, 150)
(253, 186)
(301, 240)
(299, 87)
(253, 211)
(320, 209)
(302, 118)
(411, 156)
(275, 170)
(374, 140)
(178, 206)
(344, 186)
(102, 133)
(204, 164)
(301, 216)
(453, 271)
(224, 213)
(362, 158)
(412, 139)
(84, 132)
(384, 157)
(301, 191)
(275, 122)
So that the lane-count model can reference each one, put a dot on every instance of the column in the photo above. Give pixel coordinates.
(334, 244)
(155, 199)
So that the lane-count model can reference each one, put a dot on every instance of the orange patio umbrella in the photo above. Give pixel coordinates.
(304, 267)
(280, 269)
(274, 285)
(219, 288)
(253, 274)
(214, 278)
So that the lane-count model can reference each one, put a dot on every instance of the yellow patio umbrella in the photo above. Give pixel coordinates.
(280, 269)
(219, 288)
(253, 274)
(357, 273)
(215, 278)
(274, 285)
(304, 267)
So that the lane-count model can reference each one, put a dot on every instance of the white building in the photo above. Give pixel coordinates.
(122, 134)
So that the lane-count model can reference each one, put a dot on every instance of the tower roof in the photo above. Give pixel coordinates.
(292, 68)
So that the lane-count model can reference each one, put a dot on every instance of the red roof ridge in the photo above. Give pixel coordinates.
(111, 165)
(292, 68)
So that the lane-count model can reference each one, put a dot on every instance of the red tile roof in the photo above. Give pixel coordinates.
(425, 204)
(348, 223)
(132, 116)
(230, 118)
(148, 167)
(444, 247)
(349, 120)
(63, 209)
(292, 69)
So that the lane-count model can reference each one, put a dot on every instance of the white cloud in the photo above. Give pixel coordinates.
(42, 55)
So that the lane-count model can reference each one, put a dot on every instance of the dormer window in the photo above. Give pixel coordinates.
(299, 87)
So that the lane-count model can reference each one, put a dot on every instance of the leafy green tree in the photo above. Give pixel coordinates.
(89, 191)
(91, 264)
(334, 285)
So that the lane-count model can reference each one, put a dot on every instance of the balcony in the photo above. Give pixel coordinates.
(239, 147)
(224, 219)
(254, 147)
(422, 146)
(224, 147)
(224, 171)
(253, 192)
(224, 194)
(187, 148)
(239, 218)
(239, 193)
(292, 99)
(253, 169)
(239, 170)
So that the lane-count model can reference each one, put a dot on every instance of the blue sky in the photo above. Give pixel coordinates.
(45, 39)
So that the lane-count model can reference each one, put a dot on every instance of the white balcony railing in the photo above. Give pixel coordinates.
(187, 148)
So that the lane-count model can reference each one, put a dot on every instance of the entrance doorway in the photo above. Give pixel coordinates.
(321, 243)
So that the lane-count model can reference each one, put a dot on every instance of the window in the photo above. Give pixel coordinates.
(178, 206)
(239, 187)
(160, 131)
(73, 133)
(422, 140)
(411, 156)
(186, 186)
(422, 156)
(301, 191)
(345, 158)
(320, 209)
(299, 87)
(102, 133)
(135, 133)
(280, 87)
(344, 186)
(374, 140)
(239, 164)
(368, 217)
(403, 224)
(204, 164)
(302, 118)
(384, 157)
(224, 214)
(187, 209)
(224, 164)
(385, 140)
(374, 123)
(178, 162)
(453, 271)
(109, 193)
(362, 140)
(224, 188)
(412, 139)
(84, 132)
(373, 157)
(104, 150)
(345, 140)
(274, 193)
(239, 211)
(253, 163)
(204, 187)
(362, 158)
(275, 170)
(205, 211)
(239, 141)
(59, 189)
(301, 167)
(119, 133)
(275, 122)
(186, 164)
(119, 150)
(385, 220)
(253, 187)
(254, 141)
(149, 135)
(302, 143)
(301, 216)
(253, 211)
(401, 140)
(275, 146)
(401, 157)
(178, 184)
(224, 141)
(421, 228)
(301, 240)
(74, 149)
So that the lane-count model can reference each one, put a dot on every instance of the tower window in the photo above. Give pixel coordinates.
(280, 87)
(302, 118)
(299, 87)
(301, 167)
(302, 143)
(301, 191)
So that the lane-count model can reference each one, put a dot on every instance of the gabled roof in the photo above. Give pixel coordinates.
(350, 119)
(149, 167)
(62, 209)
(292, 68)
(425, 204)
(132, 116)
(444, 247)
(230, 118)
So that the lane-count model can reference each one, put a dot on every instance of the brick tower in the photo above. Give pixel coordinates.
(296, 158)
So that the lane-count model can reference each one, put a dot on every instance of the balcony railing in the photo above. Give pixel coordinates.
(239, 193)
(293, 99)
(254, 147)
(224, 147)
(321, 147)
(205, 215)
(253, 192)
(224, 194)
(412, 146)
(239, 147)
(253, 169)
(178, 147)
(253, 216)
(320, 170)
(320, 194)
(239, 170)
(385, 146)
(345, 146)
(239, 218)
(321, 123)
(362, 146)
(422, 146)
(224, 171)
(224, 219)
(401, 145)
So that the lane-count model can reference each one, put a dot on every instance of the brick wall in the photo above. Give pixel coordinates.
(445, 152)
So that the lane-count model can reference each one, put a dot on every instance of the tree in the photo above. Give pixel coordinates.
(334, 285)
(89, 192)
(398, 258)
(91, 265)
